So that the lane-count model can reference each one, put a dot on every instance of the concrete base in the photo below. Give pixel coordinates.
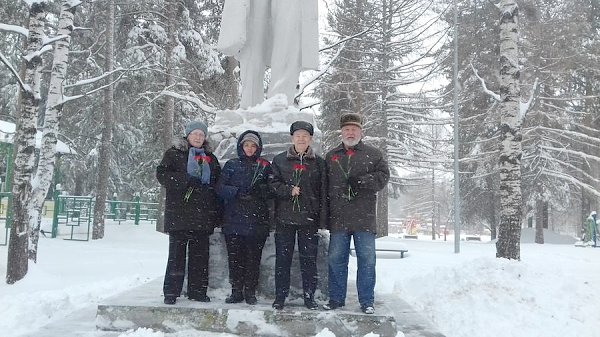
(143, 307)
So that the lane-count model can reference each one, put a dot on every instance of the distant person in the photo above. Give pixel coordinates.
(244, 189)
(282, 34)
(189, 173)
(300, 185)
(356, 172)
(590, 235)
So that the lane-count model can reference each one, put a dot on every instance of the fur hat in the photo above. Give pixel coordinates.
(301, 125)
(250, 137)
(351, 119)
(193, 125)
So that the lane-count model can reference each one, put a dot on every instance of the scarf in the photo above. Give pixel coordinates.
(193, 167)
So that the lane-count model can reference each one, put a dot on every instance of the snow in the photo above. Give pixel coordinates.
(552, 291)
(7, 132)
(14, 29)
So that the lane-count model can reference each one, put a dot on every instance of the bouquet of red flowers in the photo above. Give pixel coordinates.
(350, 194)
(260, 167)
(296, 177)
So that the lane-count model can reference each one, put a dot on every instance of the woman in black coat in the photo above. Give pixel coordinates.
(243, 187)
(189, 172)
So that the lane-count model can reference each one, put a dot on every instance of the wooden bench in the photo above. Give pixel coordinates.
(472, 238)
(401, 251)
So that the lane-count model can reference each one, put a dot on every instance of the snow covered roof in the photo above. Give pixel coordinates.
(7, 132)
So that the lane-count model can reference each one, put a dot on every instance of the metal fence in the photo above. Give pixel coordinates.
(77, 212)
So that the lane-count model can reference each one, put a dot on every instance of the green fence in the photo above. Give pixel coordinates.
(5, 215)
(77, 213)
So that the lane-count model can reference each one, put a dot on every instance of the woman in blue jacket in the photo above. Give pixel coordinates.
(244, 190)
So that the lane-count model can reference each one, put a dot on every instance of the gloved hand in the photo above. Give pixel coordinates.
(195, 181)
(244, 194)
(354, 182)
(260, 190)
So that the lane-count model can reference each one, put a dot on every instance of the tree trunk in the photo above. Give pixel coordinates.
(47, 156)
(539, 221)
(24, 141)
(104, 155)
(169, 113)
(509, 231)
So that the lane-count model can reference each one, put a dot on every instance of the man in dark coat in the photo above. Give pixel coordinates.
(243, 187)
(356, 172)
(300, 185)
(189, 172)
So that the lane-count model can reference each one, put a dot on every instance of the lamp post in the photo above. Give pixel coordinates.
(456, 140)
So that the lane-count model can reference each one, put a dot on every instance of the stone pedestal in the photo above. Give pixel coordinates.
(219, 274)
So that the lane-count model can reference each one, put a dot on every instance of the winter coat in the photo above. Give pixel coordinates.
(369, 171)
(203, 210)
(246, 211)
(310, 208)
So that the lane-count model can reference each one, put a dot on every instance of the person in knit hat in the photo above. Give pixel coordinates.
(243, 187)
(356, 172)
(189, 173)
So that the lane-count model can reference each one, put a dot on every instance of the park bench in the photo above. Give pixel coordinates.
(401, 251)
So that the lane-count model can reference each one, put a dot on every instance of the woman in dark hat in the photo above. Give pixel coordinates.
(189, 172)
(243, 187)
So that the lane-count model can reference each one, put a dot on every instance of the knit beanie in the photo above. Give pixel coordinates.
(301, 125)
(193, 125)
(250, 137)
(351, 119)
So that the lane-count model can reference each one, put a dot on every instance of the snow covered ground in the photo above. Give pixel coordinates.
(553, 291)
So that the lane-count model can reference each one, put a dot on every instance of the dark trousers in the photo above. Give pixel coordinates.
(193, 247)
(285, 240)
(244, 254)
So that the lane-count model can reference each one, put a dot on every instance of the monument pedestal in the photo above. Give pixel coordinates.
(143, 307)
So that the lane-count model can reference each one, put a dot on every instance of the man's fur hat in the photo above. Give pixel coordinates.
(351, 119)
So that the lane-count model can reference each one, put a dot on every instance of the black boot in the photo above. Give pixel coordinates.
(236, 296)
(309, 302)
(199, 296)
(250, 296)
(170, 300)
(278, 304)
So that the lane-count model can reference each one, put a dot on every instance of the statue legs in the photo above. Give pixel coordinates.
(286, 53)
(274, 38)
(253, 56)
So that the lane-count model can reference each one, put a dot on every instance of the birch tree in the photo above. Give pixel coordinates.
(509, 230)
(24, 142)
(52, 116)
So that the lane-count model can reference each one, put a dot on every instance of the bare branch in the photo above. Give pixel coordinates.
(13, 71)
(492, 94)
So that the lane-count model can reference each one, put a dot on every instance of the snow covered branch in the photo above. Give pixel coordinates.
(14, 29)
(524, 107)
(191, 99)
(37, 53)
(321, 72)
(13, 71)
(494, 95)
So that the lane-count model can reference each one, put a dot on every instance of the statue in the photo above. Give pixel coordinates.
(282, 34)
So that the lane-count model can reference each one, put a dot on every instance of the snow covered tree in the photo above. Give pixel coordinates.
(104, 155)
(511, 120)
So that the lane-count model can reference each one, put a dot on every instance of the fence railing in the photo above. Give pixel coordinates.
(77, 212)
(5, 215)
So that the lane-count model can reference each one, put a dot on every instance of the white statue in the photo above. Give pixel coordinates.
(282, 34)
